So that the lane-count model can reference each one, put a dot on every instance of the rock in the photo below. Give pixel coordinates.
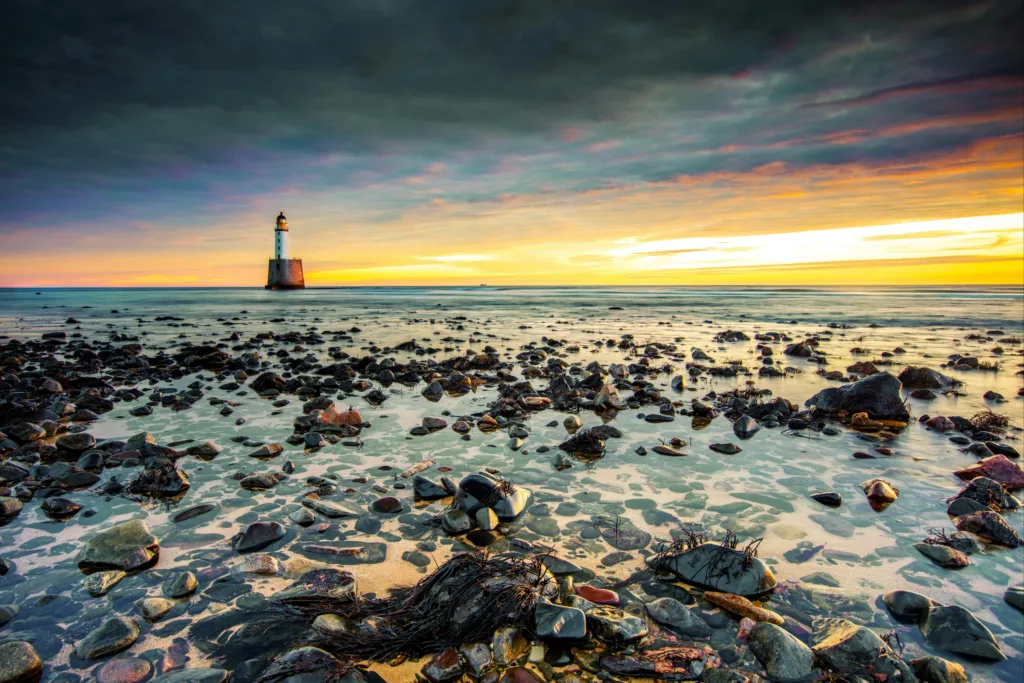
(444, 666)
(328, 508)
(725, 448)
(718, 568)
(456, 522)
(205, 450)
(783, 656)
(304, 665)
(100, 583)
(559, 566)
(676, 616)
(196, 675)
(7, 614)
(260, 563)
(745, 427)
(388, 505)
(964, 506)
(877, 395)
(270, 450)
(847, 648)
(326, 584)
(828, 498)
(670, 663)
(154, 608)
(742, 607)
(302, 517)
(124, 670)
(112, 636)
(261, 481)
(180, 584)
(954, 629)
(257, 536)
(424, 489)
(572, 423)
(1014, 596)
(907, 605)
(943, 555)
(127, 546)
(991, 526)
(554, 622)
(486, 520)
(476, 658)
(508, 645)
(880, 491)
(940, 423)
(998, 468)
(10, 508)
(938, 670)
(612, 625)
(925, 378)
(598, 596)
(76, 443)
(19, 662)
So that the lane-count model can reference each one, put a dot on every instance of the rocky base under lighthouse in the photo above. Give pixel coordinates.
(285, 274)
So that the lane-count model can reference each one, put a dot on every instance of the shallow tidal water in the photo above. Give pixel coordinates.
(760, 492)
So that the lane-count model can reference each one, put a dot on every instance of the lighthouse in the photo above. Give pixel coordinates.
(284, 272)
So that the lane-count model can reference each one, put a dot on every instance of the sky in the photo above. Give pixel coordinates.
(449, 142)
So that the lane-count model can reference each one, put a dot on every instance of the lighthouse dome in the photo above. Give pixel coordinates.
(282, 222)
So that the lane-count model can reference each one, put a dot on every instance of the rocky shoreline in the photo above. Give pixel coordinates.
(501, 598)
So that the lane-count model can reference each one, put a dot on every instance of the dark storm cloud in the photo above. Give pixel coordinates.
(121, 93)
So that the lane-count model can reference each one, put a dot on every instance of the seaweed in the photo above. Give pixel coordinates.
(988, 420)
(464, 600)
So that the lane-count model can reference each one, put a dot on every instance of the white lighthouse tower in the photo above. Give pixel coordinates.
(281, 238)
(284, 272)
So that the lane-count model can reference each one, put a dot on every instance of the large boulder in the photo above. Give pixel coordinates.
(955, 629)
(19, 662)
(783, 656)
(877, 395)
(126, 546)
(991, 526)
(719, 568)
(846, 648)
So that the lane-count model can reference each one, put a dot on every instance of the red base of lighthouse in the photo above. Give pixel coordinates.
(285, 274)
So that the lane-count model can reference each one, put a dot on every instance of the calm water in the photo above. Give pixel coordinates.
(760, 492)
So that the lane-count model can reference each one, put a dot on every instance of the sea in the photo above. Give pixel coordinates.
(828, 561)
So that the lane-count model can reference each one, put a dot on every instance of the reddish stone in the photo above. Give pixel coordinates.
(125, 670)
(998, 468)
(350, 418)
(598, 596)
(518, 674)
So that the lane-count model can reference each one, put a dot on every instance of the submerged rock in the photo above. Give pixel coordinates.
(320, 585)
(783, 656)
(612, 625)
(716, 567)
(126, 546)
(907, 605)
(112, 636)
(19, 662)
(955, 629)
(676, 616)
(257, 536)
